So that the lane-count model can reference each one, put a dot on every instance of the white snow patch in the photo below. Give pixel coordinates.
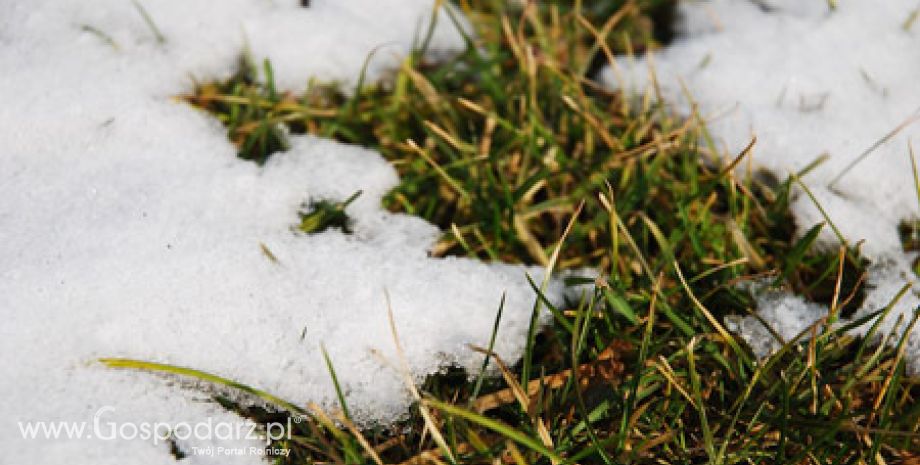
(885, 282)
(807, 81)
(128, 227)
(787, 314)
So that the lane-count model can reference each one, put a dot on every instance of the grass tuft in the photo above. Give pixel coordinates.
(320, 215)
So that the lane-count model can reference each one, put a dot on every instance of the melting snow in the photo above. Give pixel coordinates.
(129, 227)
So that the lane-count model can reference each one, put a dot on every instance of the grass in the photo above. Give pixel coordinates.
(515, 153)
(320, 215)
(469, 129)
(910, 240)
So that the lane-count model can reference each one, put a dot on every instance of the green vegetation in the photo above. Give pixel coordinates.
(497, 145)
(910, 239)
(516, 154)
(320, 215)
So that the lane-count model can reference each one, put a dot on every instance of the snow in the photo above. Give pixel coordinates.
(809, 80)
(128, 228)
(788, 314)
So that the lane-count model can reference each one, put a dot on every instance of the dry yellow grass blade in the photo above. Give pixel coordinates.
(665, 369)
(356, 433)
(554, 381)
(454, 184)
(430, 424)
(699, 305)
(523, 397)
(533, 246)
(431, 456)
(443, 134)
(744, 246)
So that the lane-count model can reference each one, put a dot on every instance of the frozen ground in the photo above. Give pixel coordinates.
(808, 80)
(129, 228)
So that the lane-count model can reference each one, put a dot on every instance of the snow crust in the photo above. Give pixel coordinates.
(808, 81)
(128, 227)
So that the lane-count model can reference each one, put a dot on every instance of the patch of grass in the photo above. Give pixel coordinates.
(500, 144)
(909, 231)
(496, 145)
(910, 235)
(510, 142)
(240, 104)
(320, 215)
